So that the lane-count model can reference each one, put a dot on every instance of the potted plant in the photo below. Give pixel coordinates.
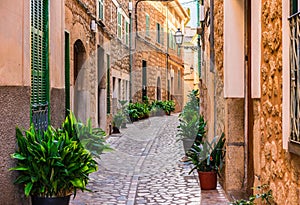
(54, 164)
(123, 107)
(207, 158)
(168, 106)
(118, 119)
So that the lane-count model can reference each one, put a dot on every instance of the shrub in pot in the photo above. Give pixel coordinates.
(54, 164)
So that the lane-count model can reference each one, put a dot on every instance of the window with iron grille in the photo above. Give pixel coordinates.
(39, 22)
(101, 9)
(119, 31)
(294, 21)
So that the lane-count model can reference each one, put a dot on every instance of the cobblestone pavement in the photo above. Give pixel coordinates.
(145, 168)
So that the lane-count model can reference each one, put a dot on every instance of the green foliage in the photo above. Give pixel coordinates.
(159, 107)
(56, 162)
(264, 194)
(207, 156)
(192, 124)
(93, 139)
(137, 111)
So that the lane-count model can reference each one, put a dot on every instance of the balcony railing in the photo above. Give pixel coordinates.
(294, 21)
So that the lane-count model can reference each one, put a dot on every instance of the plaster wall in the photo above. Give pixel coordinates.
(15, 43)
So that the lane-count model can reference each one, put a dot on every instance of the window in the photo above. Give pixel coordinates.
(119, 30)
(127, 33)
(108, 84)
(171, 40)
(147, 25)
(39, 21)
(119, 89)
(144, 79)
(294, 6)
(158, 40)
(294, 73)
(101, 9)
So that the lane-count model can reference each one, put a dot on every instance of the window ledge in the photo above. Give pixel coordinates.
(294, 148)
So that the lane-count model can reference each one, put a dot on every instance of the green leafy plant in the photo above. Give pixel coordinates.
(55, 162)
(93, 139)
(168, 106)
(207, 156)
(137, 111)
(159, 107)
(264, 194)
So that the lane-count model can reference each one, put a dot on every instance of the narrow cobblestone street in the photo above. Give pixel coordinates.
(145, 168)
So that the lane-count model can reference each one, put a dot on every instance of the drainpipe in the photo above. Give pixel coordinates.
(130, 50)
(212, 61)
(198, 40)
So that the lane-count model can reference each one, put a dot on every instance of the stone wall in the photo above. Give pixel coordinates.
(77, 23)
(279, 168)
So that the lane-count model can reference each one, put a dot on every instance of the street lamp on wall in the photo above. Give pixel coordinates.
(178, 37)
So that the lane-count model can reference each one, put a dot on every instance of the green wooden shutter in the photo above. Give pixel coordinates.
(119, 25)
(101, 9)
(147, 25)
(158, 32)
(39, 63)
(108, 84)
(67, 72)
(127, 33)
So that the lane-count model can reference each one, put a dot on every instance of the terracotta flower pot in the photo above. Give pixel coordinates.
(208, 180)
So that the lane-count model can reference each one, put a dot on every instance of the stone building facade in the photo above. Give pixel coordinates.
(251, 63)
(157, 61)
(18, 80)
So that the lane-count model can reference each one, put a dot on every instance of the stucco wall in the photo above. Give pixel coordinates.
(279, 168)
(15, 110)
